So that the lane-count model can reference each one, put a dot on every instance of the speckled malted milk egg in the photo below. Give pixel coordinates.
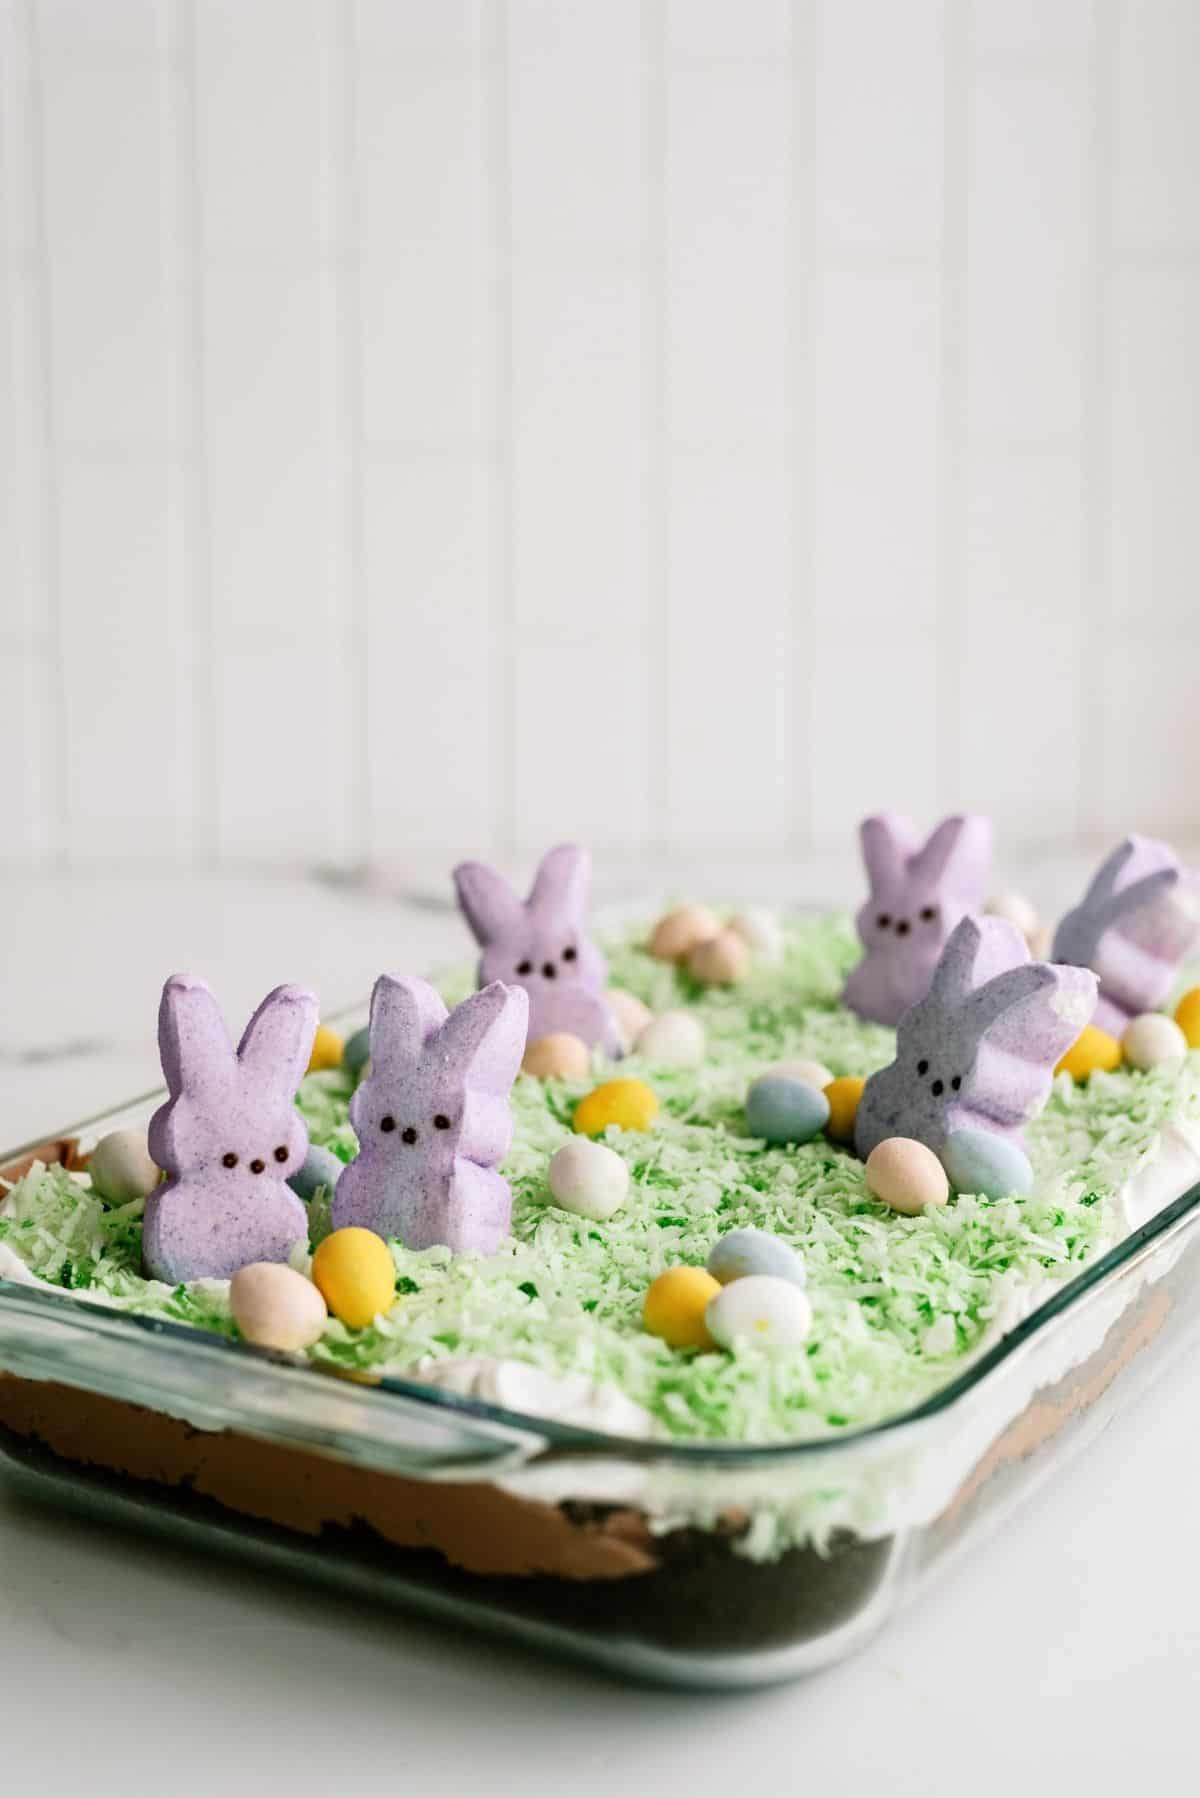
(741, 1254)
(354, 1271)
(761, 929)
(320, 1167)
(630, 1014)
(764, 1310)
(589, 1179)
(1152, 1041)
(785, 1111)
(1015, 909)
(678, 932)
(980, 1161)
(1187, 1016)
(276, 1307)
(629, 1104)
(1094, 1051)
(844, 1095)
(559, 1056)
(674, 1039)
(721, 961)
(813, 1073)
(675, 1305)
(327, 1050)
(906, 1175)
(121, 1168)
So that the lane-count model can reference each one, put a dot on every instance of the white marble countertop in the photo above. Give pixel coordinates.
(1062, 1654)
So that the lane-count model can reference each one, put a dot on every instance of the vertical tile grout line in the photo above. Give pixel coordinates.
(58, 736)
(957, 162)
(800, 623)
(503, 609)
(655, 596)
(1095, 571)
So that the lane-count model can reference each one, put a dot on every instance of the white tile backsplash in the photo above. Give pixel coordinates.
(430, 427)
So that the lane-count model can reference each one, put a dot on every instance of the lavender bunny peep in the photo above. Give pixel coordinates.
(228, 1136)
(1137, 921)
(979, 1050)
(432, 1117)
(541, 943)
(918, 893)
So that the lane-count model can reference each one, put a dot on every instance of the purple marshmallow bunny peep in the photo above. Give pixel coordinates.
(978, 1052)
(541, 943)
(432, 1118)
(918, 893)
(228, 1136)
(1137, 921)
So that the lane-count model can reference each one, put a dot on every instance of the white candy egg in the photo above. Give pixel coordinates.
(674, 1039)
(1016, 909)
(812, 1073)
(121, 1168)
(1152, 1040)
(630, 1014)
(761, 1308)
(276, 1307)
(589, 1179)
(761, 929)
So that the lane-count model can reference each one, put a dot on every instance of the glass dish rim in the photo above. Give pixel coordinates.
(573, 1440)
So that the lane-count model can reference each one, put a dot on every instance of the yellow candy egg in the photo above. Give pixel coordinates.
(629, 1104)
(1093, 1051)
(1187, 1016)
(559, 1056)
(354, 1272)
(906, 1175)
(677, 934)
(674, 1306)
(843, 1094)
(326, 1050)
(721, 960)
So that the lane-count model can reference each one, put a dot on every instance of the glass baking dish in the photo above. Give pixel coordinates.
(693, 1564)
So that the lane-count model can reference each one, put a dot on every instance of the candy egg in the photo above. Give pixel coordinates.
(982, 1162)
(782, 1110)
(630, 1014)
(629, 1104)
(1040, 941)
(1016, 909)
(742, 1254)
(906, 1175)
(354, 1271)
(843, 1095)
(588, 1179)
(761, 930)
(679, 931)
(813, 1073)
(1152, 1040)
(121, 1168)
(559, 1056)
(356, 1051)
(327, 1050)
(320, 1167)
(721, 960)
(762, 1309)
(675, 1039)
(1187, 1016)
(675, 1305)
(276, 1307)
(1093, 1051)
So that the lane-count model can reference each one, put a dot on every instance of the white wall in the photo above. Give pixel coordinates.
(430, 427)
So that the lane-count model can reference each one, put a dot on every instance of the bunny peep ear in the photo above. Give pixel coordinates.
(193, 1042)
(886, 845)
(977, 950)
(483, 1039)
(1034, 1012)
(277, 1042)
(405, 1013)
(957, 855)
(560, 888)
(487, 902)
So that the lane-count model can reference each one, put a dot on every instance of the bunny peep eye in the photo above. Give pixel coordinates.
(524, 967)
(549, 970)
(408, 1134)
(884, 920)
(387, 1124)
(281, 1153)
(922, 1067)
(956, 1082)
(257, 1165)
(928, 913)
(441, 1121)
(570, 953)
(938, 1088)
(902, 927)
(229, 1160)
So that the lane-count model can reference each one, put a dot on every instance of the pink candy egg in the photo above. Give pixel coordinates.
(559, 1056)
(906, 1175)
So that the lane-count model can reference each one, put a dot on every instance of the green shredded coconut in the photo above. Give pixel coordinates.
(899, 1303)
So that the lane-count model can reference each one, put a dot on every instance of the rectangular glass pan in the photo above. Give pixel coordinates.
(696, 1564)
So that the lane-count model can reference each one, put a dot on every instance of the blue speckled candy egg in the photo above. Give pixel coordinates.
(781, 1110)
(744, 1253)
(320, 1167)
(356, 1051)
(980, 1161)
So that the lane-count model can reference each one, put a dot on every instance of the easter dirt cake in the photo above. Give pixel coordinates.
(728, 1180)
